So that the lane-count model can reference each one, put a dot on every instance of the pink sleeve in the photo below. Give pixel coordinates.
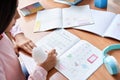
(39, 74)
(2, 72)
(16, 30)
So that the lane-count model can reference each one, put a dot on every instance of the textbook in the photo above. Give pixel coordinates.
(69, 2)
(63, 18)
(76, 59)
(31, 9)
(107, 24)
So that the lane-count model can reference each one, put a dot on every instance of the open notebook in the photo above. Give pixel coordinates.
(63, 18)
(107, 24)
(76, 59)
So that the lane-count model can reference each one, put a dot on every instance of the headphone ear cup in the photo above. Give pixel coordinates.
(111, 65)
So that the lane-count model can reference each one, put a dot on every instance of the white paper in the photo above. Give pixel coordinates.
(61, 40)
(79, 62)
(102, 21)
(76, 16)
(82, 53)
(107, 24)
(114, 28)
(48, 19)
(63, 18)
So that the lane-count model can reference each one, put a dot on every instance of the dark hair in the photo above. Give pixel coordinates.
(7, 12)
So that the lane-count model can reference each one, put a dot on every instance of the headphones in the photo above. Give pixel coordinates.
(110, 62)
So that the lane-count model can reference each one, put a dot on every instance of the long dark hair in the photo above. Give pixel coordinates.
(7, 12)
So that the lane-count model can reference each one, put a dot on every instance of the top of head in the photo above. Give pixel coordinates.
(111, 47)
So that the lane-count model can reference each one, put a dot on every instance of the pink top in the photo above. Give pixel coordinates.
(9, 64)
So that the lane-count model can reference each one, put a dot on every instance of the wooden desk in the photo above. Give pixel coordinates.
(27, 24)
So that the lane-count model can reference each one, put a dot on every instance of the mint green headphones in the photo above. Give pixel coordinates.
(110, 62)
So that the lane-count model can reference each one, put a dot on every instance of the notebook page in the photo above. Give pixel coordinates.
(48, 19)
(102, 21)
(80, 61)
(76, 16)
(114, 29)
(60, 39)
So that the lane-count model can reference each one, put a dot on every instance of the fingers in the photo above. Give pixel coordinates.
(31, 44)
(52, 52)
(50, 62)
(27, 49)
(27, 46)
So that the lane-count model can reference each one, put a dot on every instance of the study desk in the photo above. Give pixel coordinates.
(27, 24)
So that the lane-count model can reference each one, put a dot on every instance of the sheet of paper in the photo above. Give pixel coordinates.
(63, 18)
(114, 28)
(79, 62)
(102, 21)
(76, 59)
(48, 19)
(76, 16)
(61, 40)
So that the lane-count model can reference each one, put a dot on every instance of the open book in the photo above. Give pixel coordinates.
(76, 59)
(63, 18)
(107, 24)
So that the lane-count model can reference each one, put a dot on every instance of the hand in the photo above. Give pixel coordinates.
(50, 61)
(24, 43)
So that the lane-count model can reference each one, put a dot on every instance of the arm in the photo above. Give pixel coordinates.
(41, 71)
(21, 41)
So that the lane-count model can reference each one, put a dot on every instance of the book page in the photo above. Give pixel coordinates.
(76, 16)
(114, 29)
(61, 40)
(102, 21)
(79, 62)
(48, 19)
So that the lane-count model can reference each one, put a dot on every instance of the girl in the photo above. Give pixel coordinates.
(9, 64)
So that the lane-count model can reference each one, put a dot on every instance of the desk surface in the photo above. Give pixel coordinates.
(28, 22)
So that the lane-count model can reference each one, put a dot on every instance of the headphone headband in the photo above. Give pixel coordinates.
(111, 47)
